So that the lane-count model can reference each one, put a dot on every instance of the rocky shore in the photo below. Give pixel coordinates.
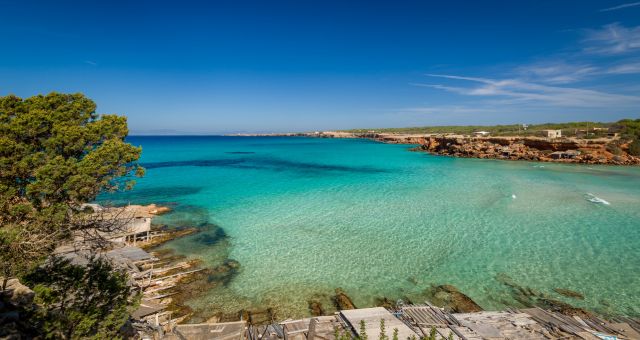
(567, 150)
(611, 151)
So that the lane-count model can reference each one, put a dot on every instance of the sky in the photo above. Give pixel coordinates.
(216, 67)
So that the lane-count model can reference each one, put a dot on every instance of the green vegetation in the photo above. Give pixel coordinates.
(630, 129)
(346, 335)
(363, 330)
(56, 153)
(80, 302)
(568, 129)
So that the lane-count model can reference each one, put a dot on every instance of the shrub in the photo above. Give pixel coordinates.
(614, 149)
(634, 148)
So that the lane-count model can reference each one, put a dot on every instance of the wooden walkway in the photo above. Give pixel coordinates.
(372, 317)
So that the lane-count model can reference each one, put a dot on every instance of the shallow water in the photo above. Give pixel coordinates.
(304, 216)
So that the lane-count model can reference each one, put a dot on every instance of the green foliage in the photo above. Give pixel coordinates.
(79, 302)
(568, 129)
(363, 330)
(432, 334)
(55, 154)
(634, 148)
(630, 130)
(383, 333)
(395, 334)
(614, 149)
(342, 335)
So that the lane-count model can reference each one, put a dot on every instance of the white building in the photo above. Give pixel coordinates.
(552, 133)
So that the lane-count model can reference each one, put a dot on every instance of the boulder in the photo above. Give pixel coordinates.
(315, 307)
(342, 300)
(450, 297)
(19, 294)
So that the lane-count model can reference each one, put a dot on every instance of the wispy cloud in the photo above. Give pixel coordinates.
(623, 6)
(612, 39)
(89, 62)
(628, 68)
(562, 73)
(557, 71)
(515, 91)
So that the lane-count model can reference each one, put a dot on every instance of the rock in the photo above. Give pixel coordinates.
(386, 303)
(564, 308)
(569, 293)
(19, 294)
(342, 300)
(225, 272)
(450, 297)
(315, 307)
(233, 264)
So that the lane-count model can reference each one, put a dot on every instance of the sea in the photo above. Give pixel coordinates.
(304, 216)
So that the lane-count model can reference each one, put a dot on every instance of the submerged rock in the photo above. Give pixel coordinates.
(530, 298)
(569, 293)
(225, 272)
(315, 307)
(564, 308)
(449, 296)
(342, 300)
(385, 302)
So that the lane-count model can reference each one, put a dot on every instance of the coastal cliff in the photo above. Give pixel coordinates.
(611, 151)
(564, 150)
(569, 150)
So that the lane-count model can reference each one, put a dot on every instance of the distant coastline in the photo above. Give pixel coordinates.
(610, 150)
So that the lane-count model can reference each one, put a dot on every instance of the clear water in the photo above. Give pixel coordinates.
(304, 216)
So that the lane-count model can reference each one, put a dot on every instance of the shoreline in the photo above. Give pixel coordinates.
(515, 148)
(192, 286)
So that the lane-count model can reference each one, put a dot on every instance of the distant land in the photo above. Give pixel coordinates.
(613, 143)
(568, 129)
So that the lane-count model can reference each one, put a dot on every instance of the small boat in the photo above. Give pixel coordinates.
(595, 199)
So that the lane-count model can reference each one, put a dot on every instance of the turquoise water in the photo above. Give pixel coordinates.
(304, 216)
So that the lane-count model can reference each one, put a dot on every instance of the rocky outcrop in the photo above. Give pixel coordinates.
(342, 300)
(16, 293)
(315, 308)
(450, 297)
(564, 150)
(569, 293)
(528, 148)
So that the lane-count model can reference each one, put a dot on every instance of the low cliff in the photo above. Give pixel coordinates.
(531, 148)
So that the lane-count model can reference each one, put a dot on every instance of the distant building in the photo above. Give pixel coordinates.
(552, 133)
(481, 133)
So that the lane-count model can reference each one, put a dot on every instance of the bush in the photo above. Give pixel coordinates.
(634, 148)
(614, 149)
(80, 302)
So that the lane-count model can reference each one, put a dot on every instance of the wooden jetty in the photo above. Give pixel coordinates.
(223, 331)
(372, 318)
(420, 321)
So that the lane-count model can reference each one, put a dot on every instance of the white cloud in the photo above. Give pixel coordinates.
(627, 5)
(612, 39)
(557, 72)
(629, 68)
(515, 91)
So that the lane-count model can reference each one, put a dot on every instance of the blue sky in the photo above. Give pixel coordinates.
(241, 66)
